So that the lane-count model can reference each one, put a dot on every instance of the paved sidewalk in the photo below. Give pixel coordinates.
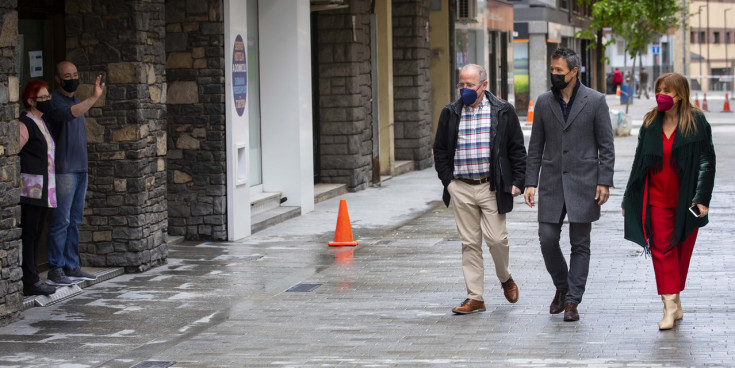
(386, 303)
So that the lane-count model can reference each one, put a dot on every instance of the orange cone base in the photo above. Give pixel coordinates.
(343, 233)
(342, 244)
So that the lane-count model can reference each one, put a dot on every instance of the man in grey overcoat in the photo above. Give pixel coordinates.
(572, 148)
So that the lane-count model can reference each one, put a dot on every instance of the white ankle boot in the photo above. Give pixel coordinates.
(679, 311)
(670, 312)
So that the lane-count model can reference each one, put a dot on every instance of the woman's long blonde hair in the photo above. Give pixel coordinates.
(679, 84)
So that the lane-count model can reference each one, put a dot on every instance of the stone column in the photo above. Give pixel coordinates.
(538, 68)
(412, 82)
(345, 91)
(197, 179)
(386, 113)
(126, 212)
(441, 69)
(11, 286)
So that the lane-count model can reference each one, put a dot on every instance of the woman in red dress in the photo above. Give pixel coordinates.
(673, 170)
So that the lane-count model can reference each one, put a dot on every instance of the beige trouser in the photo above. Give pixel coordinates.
(476, 214)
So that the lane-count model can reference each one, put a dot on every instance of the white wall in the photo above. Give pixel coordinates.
(616, 59)
(238, 191)
(285, 94)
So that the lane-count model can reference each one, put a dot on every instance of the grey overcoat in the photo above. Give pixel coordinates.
(573, 157)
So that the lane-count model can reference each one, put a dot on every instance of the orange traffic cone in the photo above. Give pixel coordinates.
(617, 91)
(529, 116)
(696, 99)
(726, 107)
(704, 102)
(343, 233)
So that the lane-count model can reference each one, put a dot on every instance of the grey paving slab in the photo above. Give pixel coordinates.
(386, 302)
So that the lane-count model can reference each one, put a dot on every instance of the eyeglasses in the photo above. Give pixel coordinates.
(467, 85)
(42, 98)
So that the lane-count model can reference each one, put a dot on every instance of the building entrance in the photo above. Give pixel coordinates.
(41, 45)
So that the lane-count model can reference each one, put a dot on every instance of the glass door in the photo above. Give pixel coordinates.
(253, 96)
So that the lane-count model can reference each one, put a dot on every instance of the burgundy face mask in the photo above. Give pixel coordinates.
(665, 102)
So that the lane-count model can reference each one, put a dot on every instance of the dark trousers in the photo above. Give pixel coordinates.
(32, 219)
(574, 277)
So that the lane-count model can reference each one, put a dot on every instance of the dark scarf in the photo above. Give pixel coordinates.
(693, 161)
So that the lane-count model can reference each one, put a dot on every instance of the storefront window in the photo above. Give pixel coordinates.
(520, 76)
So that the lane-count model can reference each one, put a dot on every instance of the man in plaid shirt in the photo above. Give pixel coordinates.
(480, 158)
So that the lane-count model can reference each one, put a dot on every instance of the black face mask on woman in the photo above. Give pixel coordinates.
(44, 106)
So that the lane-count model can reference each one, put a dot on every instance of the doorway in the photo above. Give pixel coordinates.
(41, 45)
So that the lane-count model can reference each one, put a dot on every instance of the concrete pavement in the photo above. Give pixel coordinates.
(386, 303)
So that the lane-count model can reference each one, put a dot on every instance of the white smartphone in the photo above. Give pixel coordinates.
(695, 211)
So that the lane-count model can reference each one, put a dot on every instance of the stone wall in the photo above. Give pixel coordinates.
(11, 286)
(411, 82)
(126, 212)
(197, 176)
(345, 93)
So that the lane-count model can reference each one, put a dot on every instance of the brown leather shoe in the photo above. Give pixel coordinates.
(469, 306)
(510, 289)
(570, 312)
(557, 305)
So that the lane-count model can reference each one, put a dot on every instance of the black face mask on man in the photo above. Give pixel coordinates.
(558, 81)
(70, 85)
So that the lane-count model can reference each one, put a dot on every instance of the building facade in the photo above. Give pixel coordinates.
(541, 26)
(711, 37)
(658, 58)
(212, 108)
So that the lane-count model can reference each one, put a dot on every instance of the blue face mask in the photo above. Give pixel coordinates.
(469, 95)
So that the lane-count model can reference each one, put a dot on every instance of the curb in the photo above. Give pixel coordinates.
(66, 292)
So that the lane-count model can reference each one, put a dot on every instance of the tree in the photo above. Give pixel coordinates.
(638, 22)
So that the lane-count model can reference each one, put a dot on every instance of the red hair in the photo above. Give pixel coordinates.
(31, 90)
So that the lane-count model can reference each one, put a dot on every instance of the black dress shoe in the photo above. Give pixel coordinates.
(570, 312)
(557, 305)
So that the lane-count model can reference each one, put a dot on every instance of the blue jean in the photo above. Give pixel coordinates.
(63, 226)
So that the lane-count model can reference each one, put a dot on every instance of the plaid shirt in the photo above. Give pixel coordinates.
(472, 157)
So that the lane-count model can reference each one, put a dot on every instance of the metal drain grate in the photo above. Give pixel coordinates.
(153, 364)
(304, 288)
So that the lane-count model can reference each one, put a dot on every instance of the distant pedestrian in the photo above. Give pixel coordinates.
(643, 76)
(617, 78)
(480, 158)
(673, 170)
(37, 181)
(572, 148)
(69, 131)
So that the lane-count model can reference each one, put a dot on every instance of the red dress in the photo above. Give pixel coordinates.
(663, 194)
(663, 185)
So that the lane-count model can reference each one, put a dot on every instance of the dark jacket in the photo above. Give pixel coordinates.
(507, 156)
(693, 161)
(568, 158)
(34, 166)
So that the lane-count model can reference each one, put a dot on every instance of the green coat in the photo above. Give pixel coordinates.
(693, 160)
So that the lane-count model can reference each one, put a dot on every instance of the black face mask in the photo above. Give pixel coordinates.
(44, 106)
(558, 82)
(70, 85)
